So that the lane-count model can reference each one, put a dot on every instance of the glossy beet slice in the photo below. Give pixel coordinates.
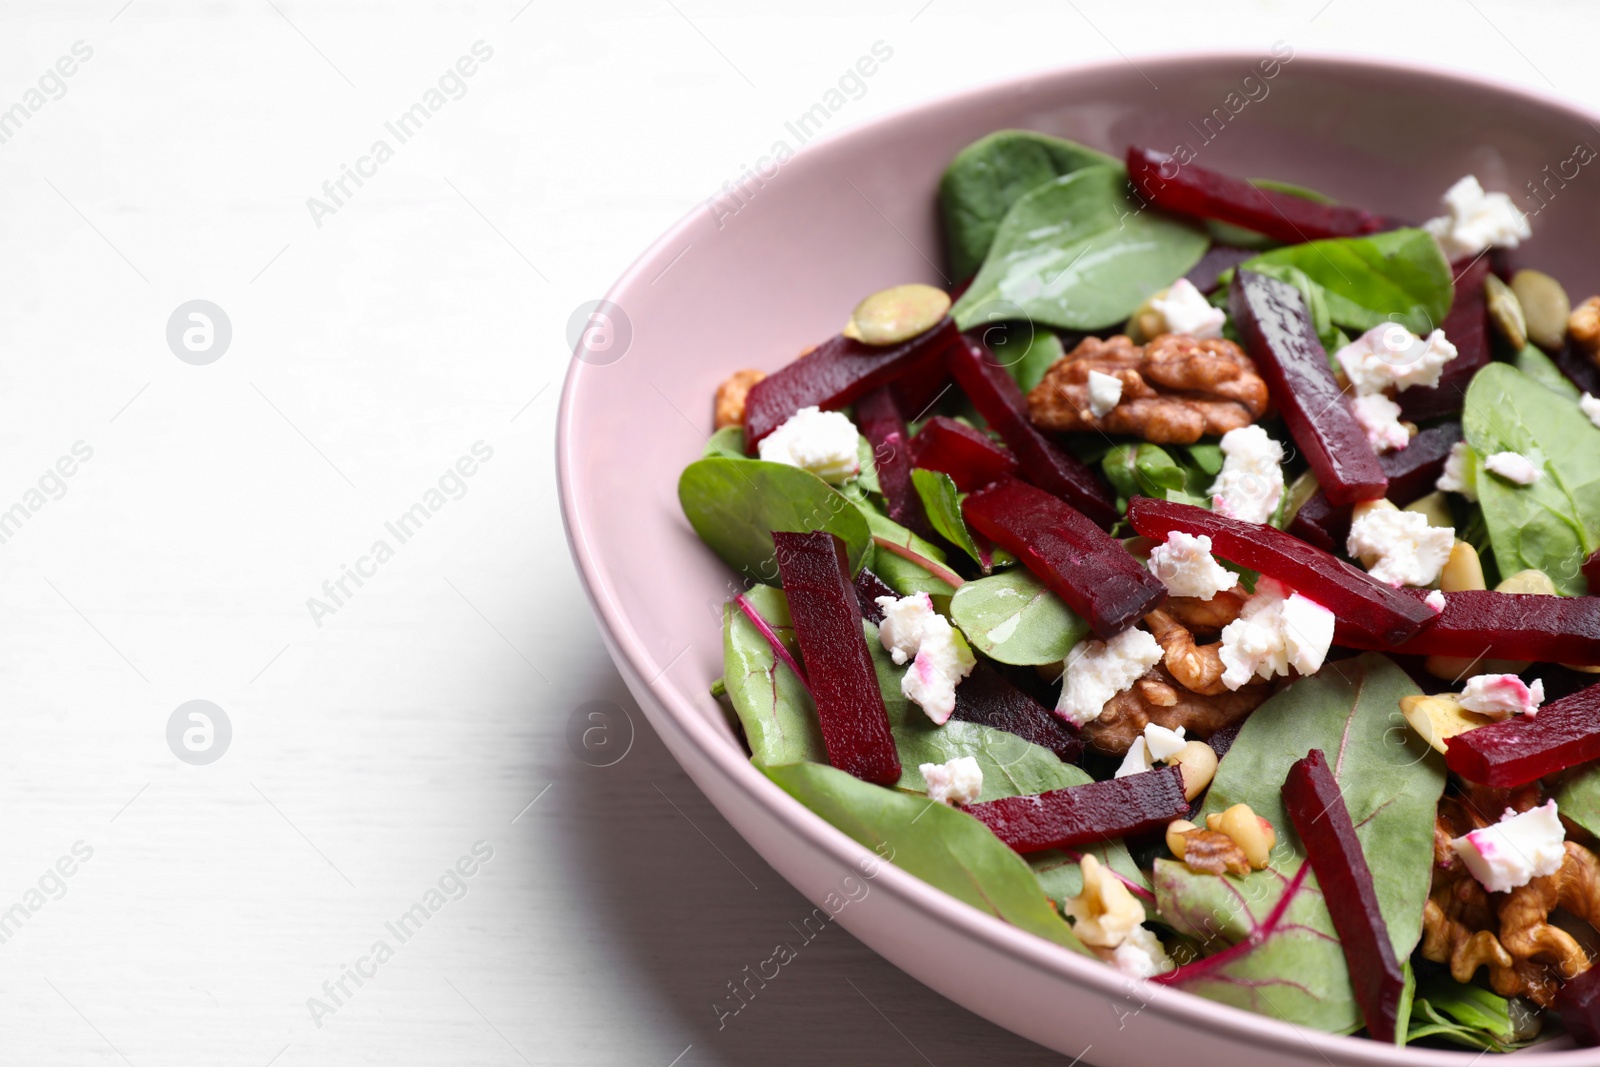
(1361, 603)
(869, 587)
(1088, 813)
(880, 422)
(1412, 472)
(1526, 748)
(1467, 327)
(969, 457)
(827, 624)
(1482, 622)
(1578, 1004)
(1191, 190)
(834, 374)
(999, 400)
(1580, 369)
(1218, 258)
(1317, 810)
(986, 697)
(1591, 571)
(1322, 523)
(1081, 563)
(1276, 329)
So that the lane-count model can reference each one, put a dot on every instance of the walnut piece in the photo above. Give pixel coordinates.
(1174, 389)
(1583, 326)
(729, 405)
(1213, 852)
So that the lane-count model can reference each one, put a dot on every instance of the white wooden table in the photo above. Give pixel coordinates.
(380, 734)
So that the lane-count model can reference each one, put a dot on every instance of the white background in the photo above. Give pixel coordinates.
(431, 709)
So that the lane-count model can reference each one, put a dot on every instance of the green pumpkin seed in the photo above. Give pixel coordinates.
(1505, 311)
(891, 316)
(1545, 307)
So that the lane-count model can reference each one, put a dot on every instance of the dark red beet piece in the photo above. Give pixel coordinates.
(1083, 564)
(1580, 369)
(1361, 603)
(869, 587)
(1412, 472)
(880, 422)
(1467, 327)
(969, 457)
(999, 400)
(1218, 258)
(1276, 329)
(1578, 1004)
(988, 698)
(827, 624)
(1191, 190)
(1591, 572)
(834, 374)
(1323, 523)
(1482, 622)
(1525, 748)
(1086, 814)
(1317, 810)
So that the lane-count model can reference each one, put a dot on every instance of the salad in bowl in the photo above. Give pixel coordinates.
(1200, 584)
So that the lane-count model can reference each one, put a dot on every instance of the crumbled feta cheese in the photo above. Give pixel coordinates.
(1251, 482)
(1400, 547)
(1477, 220)
(1186, 567)
(1142, 955)
(1162, 743)
(1515, 850)
(1099, 670)
(939, 657)
(1186, 310)
(1435, 600)
(1500, 696)
(1105, 390)
(1391, 355)
(1591, 408)
(1276, 630)
(1457, 476)
(956, 781)
(1137, 761)
(1379, 418)
(822, 442)
(1513, 467)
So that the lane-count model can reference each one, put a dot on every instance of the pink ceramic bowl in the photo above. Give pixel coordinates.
(754, 283)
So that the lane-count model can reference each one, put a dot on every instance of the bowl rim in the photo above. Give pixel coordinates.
(677, 717)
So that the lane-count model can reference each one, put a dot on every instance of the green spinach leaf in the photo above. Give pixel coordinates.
(776, 711)
(902, 575)
(1142, 470)
(1077, 254)
(1024, 350)
(1012, 618)
(942, 501)
(1464, 1015)
(1061, 877)
(1541, 368)
(727, 442)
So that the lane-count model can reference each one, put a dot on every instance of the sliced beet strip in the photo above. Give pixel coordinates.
(1412, 472)
(1580, 369)
(1483, 622)
(1080, 562)
(988, 698)
(827, 624)
(835, 373)
(1218, 258)
(1317, 810)
(1362, 604)
(1276, 329)
(999, 400)
(1190, 190)
(1467, 327)
(1525, 748)
(1578, 1004)
(869, 587)
(879, 419)
(1591, 571)
(969, 457)
(1088, 813)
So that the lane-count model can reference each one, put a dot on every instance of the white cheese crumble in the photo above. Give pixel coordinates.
(1185, 565)
(1137, 760)
(939, 658)
(1276, 630)
(1141, 955)
(1251, 482)
(1477, 220)
(1379, 418)
(1099, 670)
(1186, 310)
(1400, 547)
(822, 442)
(1457, 476)
(1391, 355)
(1591, 408)
(1515, 850)
(1156, 745)
(1500, 696)
(1105, 390)
(1513, 467)
(1435, 600)
(956, 781)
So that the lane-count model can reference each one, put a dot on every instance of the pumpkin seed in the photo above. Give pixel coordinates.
(1545, 307)
(1505, 311)
(891, 316)
(1528, 581)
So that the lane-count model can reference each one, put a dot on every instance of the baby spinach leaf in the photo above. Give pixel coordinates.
(943, 846)
(989, 175)
(1024, 350)
(727, 442)
(1391, 783)
(1553, 524)
(1463, 1015)
(1578, 798)
(1399, 276)
(1012, 618)
(942, 501)
(868, 478)
(735, 504)
(1142, 470)
(1061, 877)
(902, 575)
(776, 711)
(1541, 368)
(1077, 254)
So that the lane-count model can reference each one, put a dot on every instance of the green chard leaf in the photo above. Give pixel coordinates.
(902, 575)
(776, 711)
(1391, 783)
(1012, 618)
(1078, 254)
(1061, 877)
(1578, 798)
(1554, 524)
